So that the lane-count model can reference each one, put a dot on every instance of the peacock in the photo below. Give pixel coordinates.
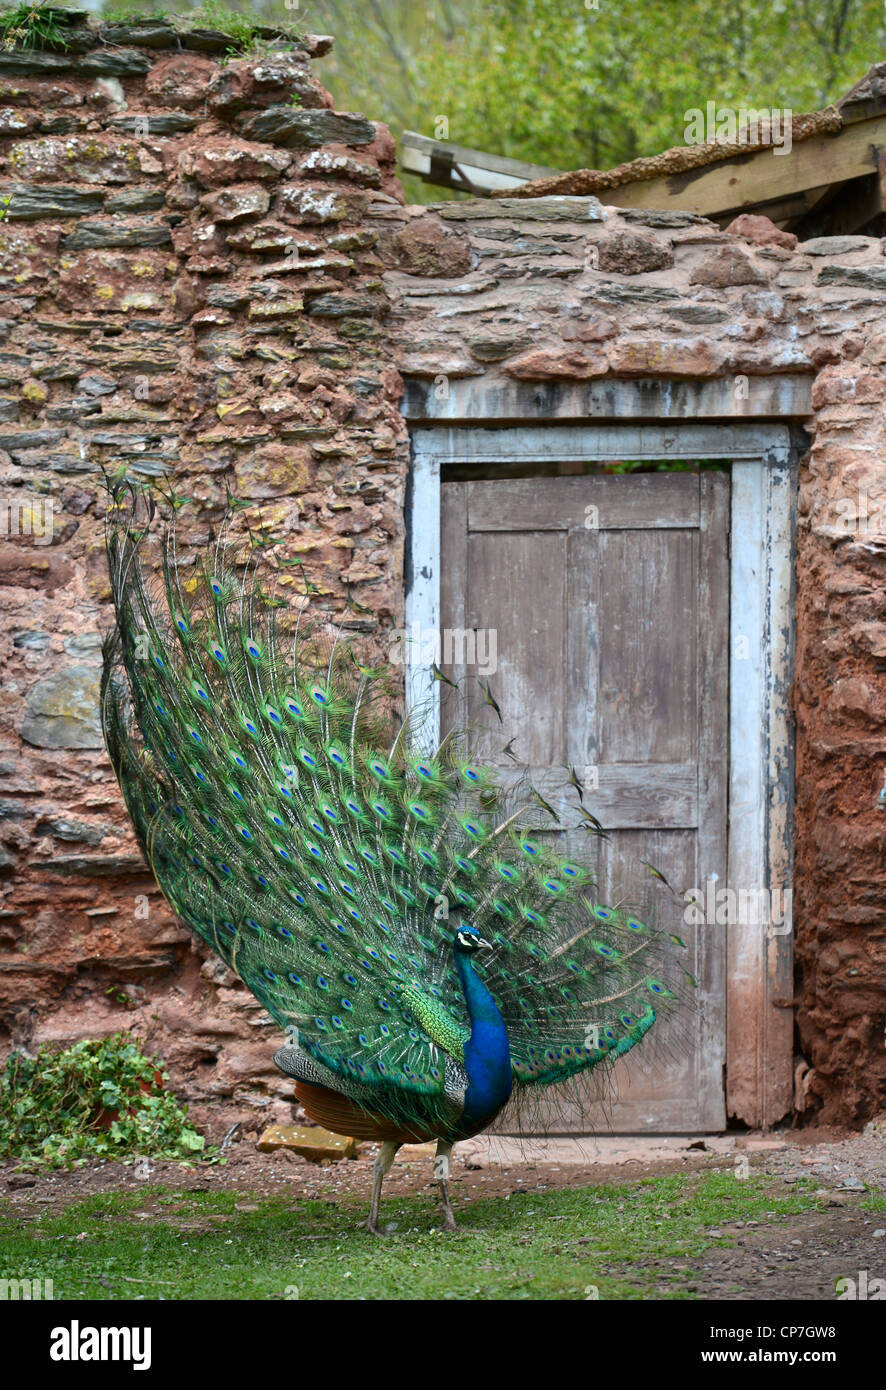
(426, 953)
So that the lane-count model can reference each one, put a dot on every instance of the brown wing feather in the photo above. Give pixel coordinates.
(343, 1116)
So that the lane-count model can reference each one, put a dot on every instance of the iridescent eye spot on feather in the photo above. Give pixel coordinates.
(427, 855)
(552, 886)
(275, 819)
(472, 828)
(638, 926)
(466, 866)
(252, 649)
(238, 759)
(329, 812)
(466, 899)
(367, 854)
(419, 810)
(180, 623)
(244, 831)
(294, 979)
(217, 588)
(320, 695)
(158, 661)
(283, 853)
(159, 708)
(218, 654)
(235, 792)
(313, 849)
(570, 870)
(603, 949)
(306, 756)
(317, 826)
(298, 897)
(506, 871)
(382, 810)
(530, 848)
(322, 982)
(201, 692)
(337, 757)
(284, 790)
(201, 776)
(471, 774)
(194, 734)
(603, 913)
(379, 770)
(248, 724)
(319, 885)
(293, 707)
(273, 714)
(354, 807)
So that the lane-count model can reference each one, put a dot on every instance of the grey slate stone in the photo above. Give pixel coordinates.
(78, 832)
(62, 711)
(28, 201)
(115, 62)
(553, 209)
(297, 129)
(867, 277)
(147, 33)
(98, 234)
(158, 123)
(32, 62)
(32, 640)
(136, 200)
(835, 245)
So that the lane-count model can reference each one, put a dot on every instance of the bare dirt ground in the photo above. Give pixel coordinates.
(800, 1257)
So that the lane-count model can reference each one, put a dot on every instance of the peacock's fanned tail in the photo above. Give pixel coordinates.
(328, 859)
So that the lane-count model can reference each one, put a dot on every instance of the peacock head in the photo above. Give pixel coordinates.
(469, 939)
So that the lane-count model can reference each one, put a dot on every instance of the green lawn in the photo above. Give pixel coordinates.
(537, 1245)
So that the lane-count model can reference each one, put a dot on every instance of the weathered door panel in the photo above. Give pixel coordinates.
(602, 603)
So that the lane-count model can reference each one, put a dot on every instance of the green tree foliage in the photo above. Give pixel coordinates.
(581, 83)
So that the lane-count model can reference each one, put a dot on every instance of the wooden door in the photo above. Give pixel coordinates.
(608, 598)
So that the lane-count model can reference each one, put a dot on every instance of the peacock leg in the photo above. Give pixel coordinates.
(383, 1161)
(441, 1173)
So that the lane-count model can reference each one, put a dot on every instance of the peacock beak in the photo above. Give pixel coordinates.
(482, 942)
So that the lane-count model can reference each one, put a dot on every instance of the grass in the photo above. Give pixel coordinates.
(561, 1244)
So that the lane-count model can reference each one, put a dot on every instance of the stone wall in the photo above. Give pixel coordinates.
(189, 283)
(200, 276)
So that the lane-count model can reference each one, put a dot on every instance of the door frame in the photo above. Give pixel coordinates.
(759, 988)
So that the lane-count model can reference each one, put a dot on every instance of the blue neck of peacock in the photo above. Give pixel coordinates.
(487, 1053)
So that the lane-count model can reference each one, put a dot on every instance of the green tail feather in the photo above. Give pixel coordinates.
(328, 860)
